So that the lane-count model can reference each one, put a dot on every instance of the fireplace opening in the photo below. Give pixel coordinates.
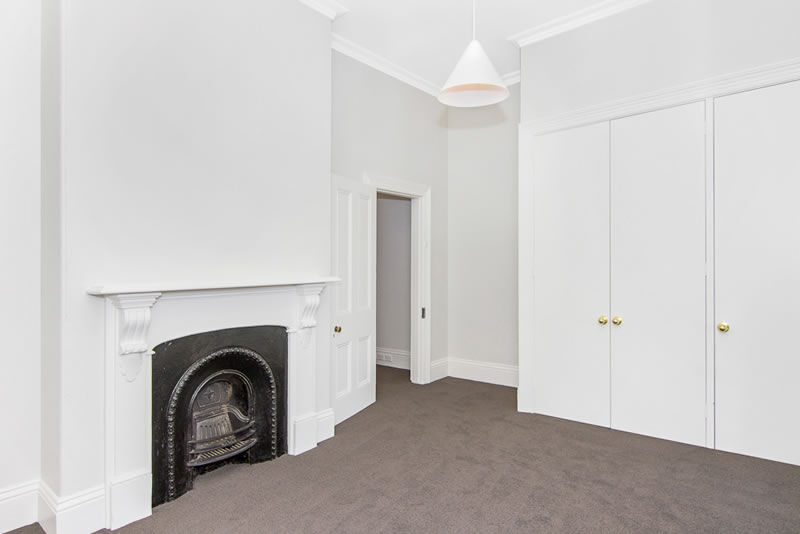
(218, 398)
(222, 423)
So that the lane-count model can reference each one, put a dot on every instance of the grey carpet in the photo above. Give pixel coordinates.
(455, 456)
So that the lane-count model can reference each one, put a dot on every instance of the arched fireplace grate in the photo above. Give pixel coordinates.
(226, 406)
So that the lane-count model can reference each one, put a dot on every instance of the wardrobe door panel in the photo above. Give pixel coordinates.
(658, 220)
(571, 274)
(757, 183)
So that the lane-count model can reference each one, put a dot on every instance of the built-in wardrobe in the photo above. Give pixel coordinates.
(660, 273)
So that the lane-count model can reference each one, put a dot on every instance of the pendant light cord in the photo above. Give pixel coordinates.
(473, 20)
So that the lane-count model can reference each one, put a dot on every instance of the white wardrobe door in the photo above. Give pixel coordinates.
(757, 183)
(658, 218)
(571, 274)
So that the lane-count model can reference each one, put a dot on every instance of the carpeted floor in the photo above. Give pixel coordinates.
(455, 456)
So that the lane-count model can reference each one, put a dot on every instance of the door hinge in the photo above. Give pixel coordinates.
(423, 313)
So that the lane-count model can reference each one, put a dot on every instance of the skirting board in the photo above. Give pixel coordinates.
(81, 512)
(491, 373)
(130, 498)
(438, 369)
(399, 359)
(18, 505)
(326, 420)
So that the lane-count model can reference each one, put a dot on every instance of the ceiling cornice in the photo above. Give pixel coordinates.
(574, 20)
(378, 62)
(511, 78)
(329, 8)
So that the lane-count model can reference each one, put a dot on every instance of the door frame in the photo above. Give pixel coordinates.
(420, 196)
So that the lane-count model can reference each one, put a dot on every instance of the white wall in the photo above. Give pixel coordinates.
(195, 148)
(393, 279)
(20, 243)
(482, 217)
(661, 44)
(384, 127)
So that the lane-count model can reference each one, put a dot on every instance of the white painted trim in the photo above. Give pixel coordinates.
(572, 21)
(83, 511)
(490, 373)
(19, 505)
(399, 359)
(326, 421)
(122, 289)
(328, 8)
(710, 269)
(525, 270)
(129, 498)
(304, 430)
(390, 68)
(726, 84)
(512, 78)
(438, 369)
(396, 186)
(380, 63)
(421, 204)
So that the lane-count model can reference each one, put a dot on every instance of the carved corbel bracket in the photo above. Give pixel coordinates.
(309, 306)
(133, 312)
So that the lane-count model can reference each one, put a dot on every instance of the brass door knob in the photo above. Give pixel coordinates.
(603, 319)
(723, 327)
(337, 329)
(617, 320)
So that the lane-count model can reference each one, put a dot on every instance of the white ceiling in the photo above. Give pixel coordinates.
(422, 39)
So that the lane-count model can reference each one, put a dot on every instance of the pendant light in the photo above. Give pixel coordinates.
(474, 82)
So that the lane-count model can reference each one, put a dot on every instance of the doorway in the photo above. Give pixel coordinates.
(419, 310)
(354, 242)
(393, 282)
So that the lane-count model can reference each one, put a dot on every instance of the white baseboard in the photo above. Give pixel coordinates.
(399, 359)
(305, 434)
(326, 420)
(131, 496)
(438, 369)
(18, 505)
(491, 373)
(81, 512)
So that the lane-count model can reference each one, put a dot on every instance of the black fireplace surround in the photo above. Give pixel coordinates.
(218, 397)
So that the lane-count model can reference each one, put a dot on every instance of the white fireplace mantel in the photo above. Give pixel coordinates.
(140, 317)
(129, 289)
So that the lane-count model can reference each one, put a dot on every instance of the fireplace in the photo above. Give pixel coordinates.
(218, 398)
(154, 335)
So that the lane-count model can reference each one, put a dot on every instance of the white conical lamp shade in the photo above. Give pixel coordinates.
(474, 82)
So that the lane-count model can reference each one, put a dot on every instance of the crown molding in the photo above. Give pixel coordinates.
(328, 8)
(574, 20)
(726, 84)
(378, 62)
(511, 78)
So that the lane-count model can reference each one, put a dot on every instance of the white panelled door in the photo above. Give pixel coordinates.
(571, 259)
(757, 182)
(658, 254)
(353, 250)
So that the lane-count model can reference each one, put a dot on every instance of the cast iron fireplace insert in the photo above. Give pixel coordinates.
(218, 397)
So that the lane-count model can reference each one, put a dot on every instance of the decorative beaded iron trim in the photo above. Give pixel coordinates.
(176, 393)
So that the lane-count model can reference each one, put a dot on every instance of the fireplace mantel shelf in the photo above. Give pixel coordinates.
(110, 290)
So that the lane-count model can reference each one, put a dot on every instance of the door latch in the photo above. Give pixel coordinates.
(423, 313)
